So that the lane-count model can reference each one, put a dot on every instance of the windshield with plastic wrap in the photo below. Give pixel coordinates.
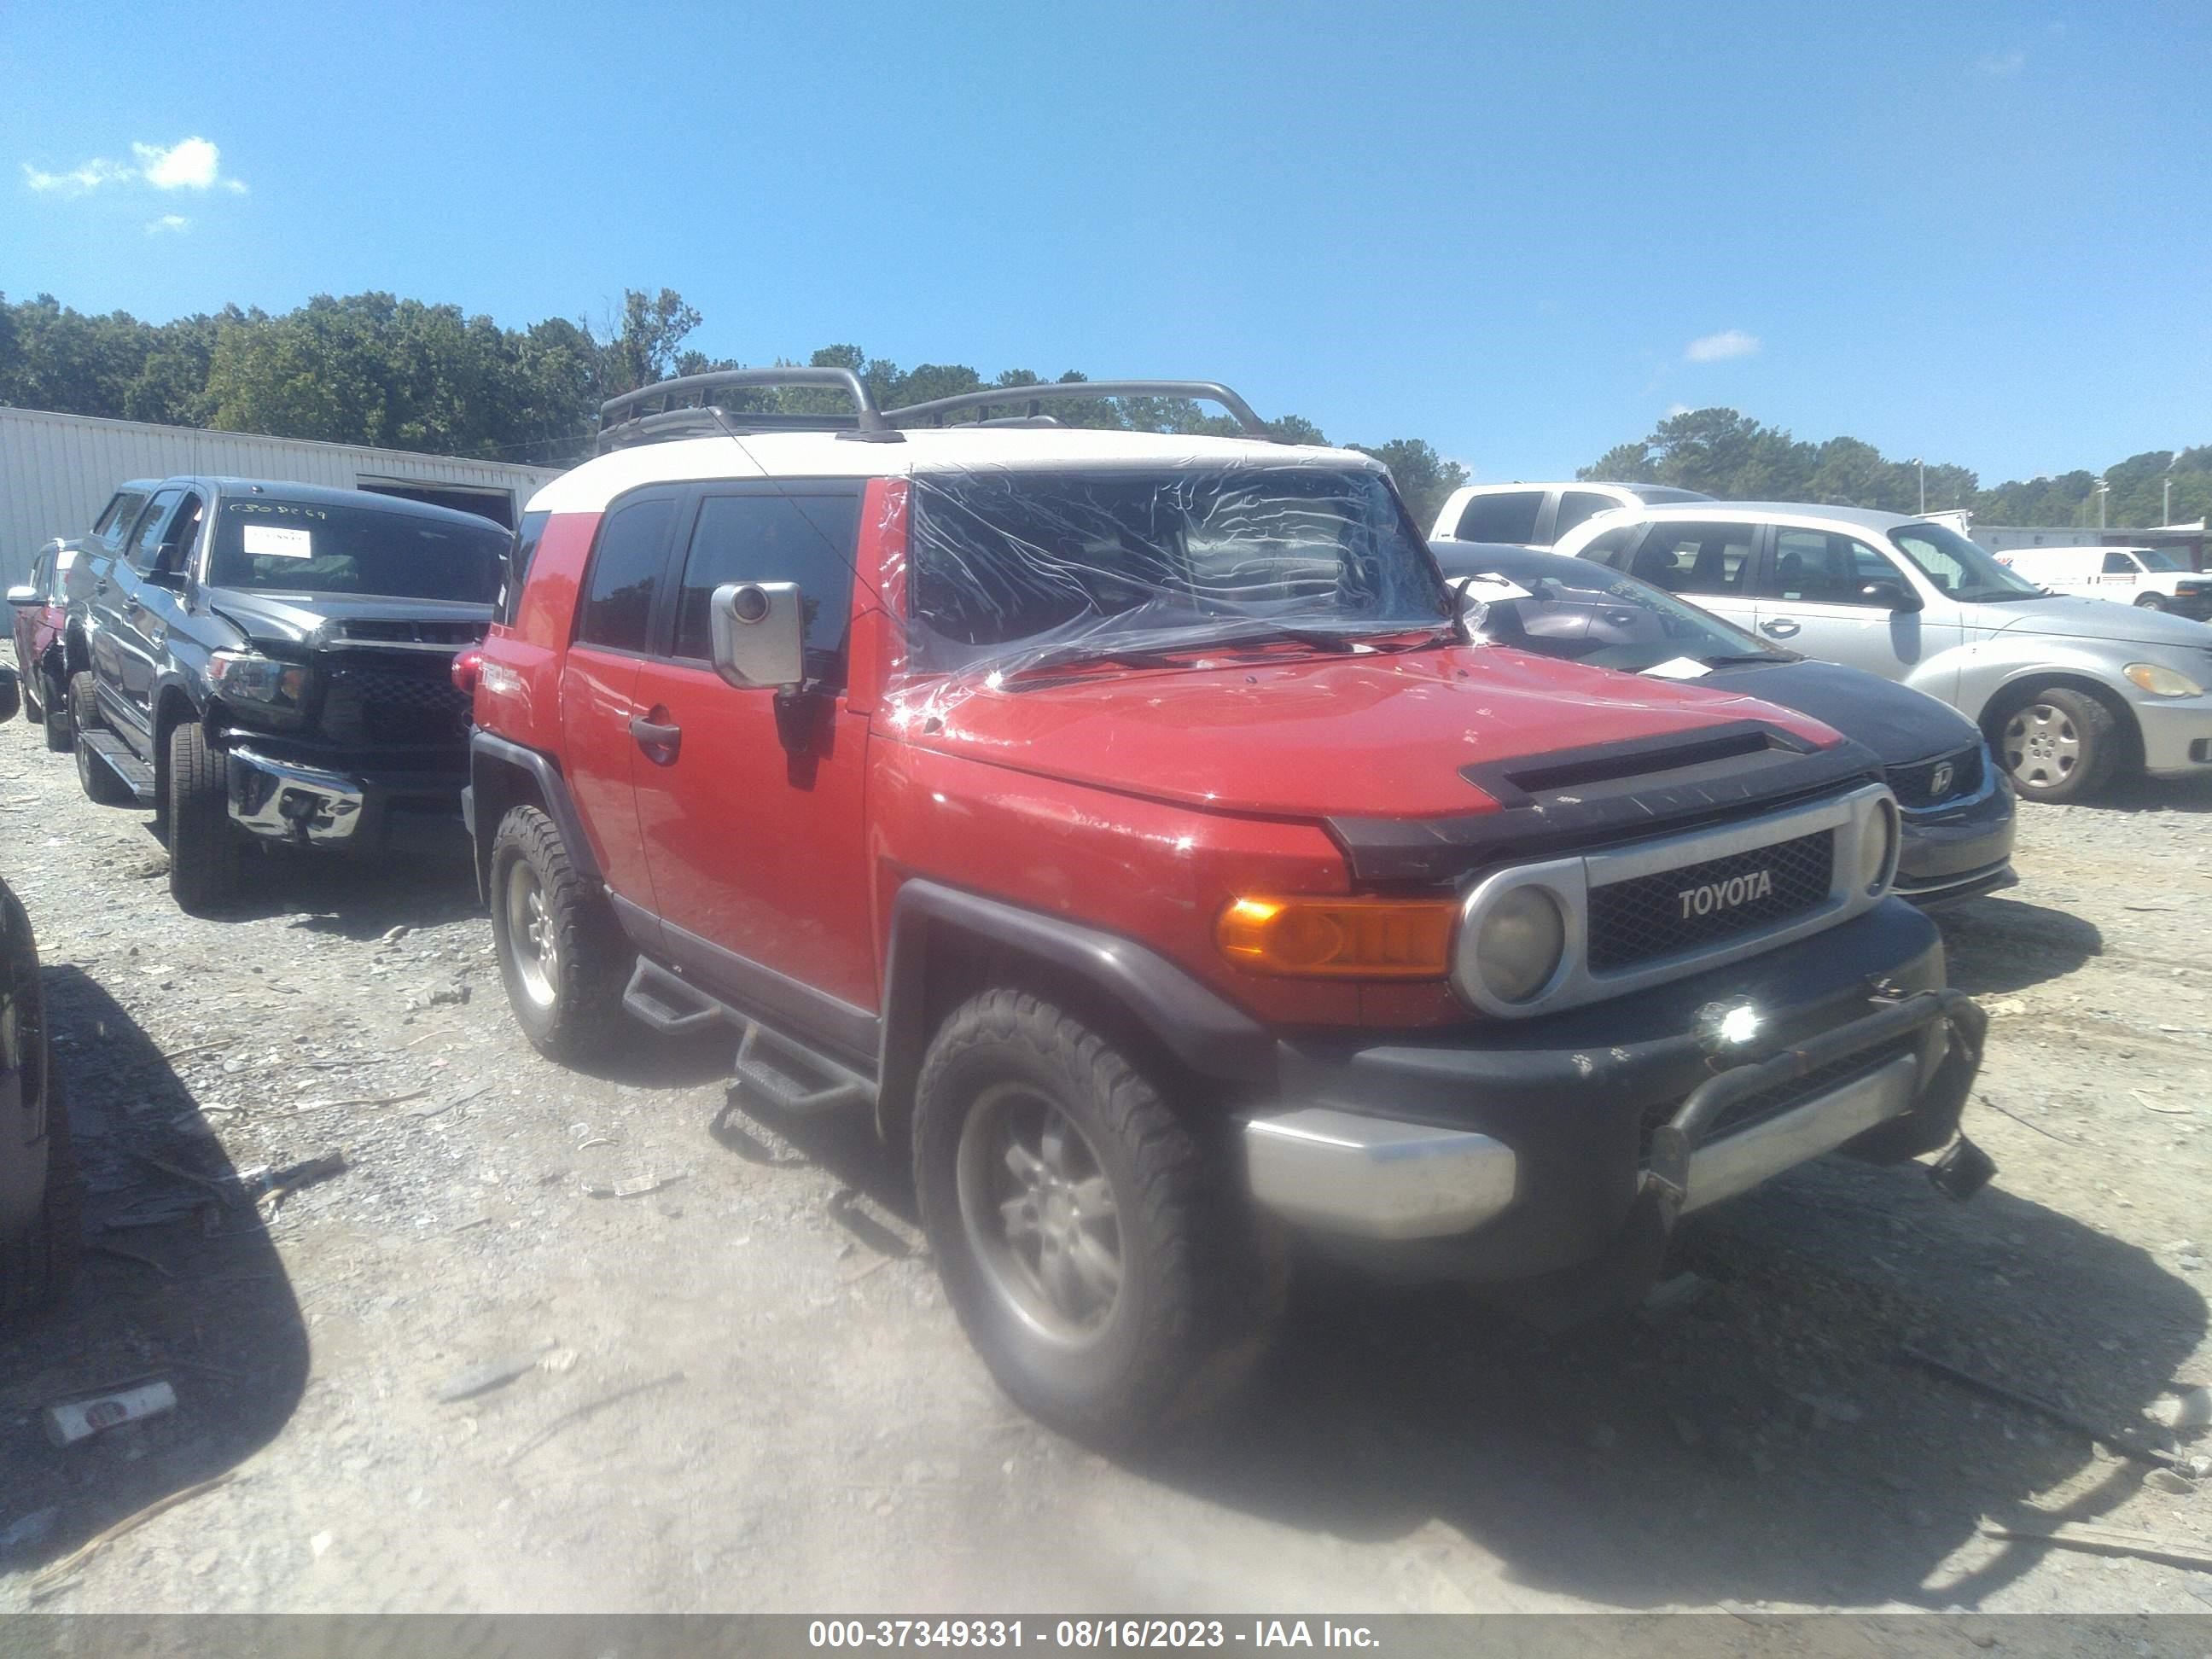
(1014, 569)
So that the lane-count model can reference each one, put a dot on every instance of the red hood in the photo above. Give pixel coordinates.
(1372, 735)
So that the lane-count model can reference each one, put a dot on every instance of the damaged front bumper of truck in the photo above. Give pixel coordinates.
(284, 799)
(1558, 1155)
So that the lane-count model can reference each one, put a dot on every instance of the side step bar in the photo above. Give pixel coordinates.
(112, 751)
(787, 1075)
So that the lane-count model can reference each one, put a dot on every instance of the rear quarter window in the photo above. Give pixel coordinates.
(1508, 516)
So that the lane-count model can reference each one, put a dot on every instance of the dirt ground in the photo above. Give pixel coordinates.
(744, 1391)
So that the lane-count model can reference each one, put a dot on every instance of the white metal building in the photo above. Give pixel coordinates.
(56, 472)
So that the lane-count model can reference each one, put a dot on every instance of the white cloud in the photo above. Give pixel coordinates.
(193, 164)
(2000, 65)
(77, 180)
(1673, 410)
(168, 222)
(1718, 347)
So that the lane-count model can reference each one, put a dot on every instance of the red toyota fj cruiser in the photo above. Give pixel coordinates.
(1126, 820)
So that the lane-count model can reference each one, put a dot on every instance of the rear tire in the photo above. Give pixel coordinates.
(204, 850)
(39, 1265)
(61, 730)
(1096, 1250)
(2057, 744)
(101, 785)
(561, 954)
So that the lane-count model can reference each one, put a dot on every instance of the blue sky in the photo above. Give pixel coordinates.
(1982, 233)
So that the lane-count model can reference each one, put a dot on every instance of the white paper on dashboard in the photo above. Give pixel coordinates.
(1679, 668)
(271, 541)
(1492, 589)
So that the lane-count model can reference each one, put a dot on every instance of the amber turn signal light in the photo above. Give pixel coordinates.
(1339, 938)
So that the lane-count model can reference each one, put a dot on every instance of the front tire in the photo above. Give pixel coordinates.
(1093, 1245)
(2151, 602)
(101, 784)
(2058, 745)
(562, 955)
(204, 850)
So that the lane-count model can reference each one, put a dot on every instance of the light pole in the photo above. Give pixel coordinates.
(2102, 491)
(1923, 465)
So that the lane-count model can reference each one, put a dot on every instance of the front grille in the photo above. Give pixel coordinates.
(1915, 785)
(381, 708)
(1648, 917)
(1772, 1103)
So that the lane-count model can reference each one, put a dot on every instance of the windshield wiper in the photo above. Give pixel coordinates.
(1725, 659)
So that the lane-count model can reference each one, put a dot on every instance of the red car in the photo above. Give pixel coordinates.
(1127, 822)
(47, 650)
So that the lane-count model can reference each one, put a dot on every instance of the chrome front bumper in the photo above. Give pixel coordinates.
(283, 800)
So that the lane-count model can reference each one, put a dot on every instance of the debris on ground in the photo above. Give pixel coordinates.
(2111, 1439)
(492, 1374)
(2082, 1535)
(54, 1577)
(576, 1414)
(79, 1419)
(635, 1186)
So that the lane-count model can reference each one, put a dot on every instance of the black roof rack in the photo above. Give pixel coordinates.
(993, 397)
(683, 407)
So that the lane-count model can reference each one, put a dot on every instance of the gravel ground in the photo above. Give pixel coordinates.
(741, 1390)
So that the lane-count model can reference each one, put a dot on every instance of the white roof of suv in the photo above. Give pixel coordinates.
(1807, 514)
(590, 487)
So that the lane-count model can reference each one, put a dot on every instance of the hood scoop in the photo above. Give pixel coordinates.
(401, 631)
(1572, 799)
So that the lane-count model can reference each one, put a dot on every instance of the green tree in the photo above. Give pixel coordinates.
(1424, 478)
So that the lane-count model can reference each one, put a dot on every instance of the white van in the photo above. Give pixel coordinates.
(2148, 576)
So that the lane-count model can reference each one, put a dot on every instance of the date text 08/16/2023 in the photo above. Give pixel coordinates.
(1084, 1634)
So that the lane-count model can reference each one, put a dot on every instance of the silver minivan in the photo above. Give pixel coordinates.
(2069, 691)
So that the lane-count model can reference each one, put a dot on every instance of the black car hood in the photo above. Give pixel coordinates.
(1900, 725)
(311, 618)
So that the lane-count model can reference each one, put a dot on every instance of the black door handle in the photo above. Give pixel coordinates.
(660, 741)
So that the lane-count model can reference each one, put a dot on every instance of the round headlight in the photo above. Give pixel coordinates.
(1878, 848)
(1518, 943)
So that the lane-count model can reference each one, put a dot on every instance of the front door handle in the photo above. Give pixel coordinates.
(1781, 628)
(659, 739)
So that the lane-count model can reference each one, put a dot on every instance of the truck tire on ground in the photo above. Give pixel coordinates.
(204, 850)
(39, 1265)
(1092, 1246)
(53, 706)
(2058, 745)
(101, 784)
(561, 954)
(2151, 602)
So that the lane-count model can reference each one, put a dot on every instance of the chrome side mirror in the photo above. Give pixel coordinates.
(759, 631)
(23, 595)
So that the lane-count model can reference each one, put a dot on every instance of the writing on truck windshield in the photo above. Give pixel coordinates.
(300, 547)
(1008, 568)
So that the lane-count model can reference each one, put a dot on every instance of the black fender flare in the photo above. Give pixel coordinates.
(1195, 1025)
(495, 763)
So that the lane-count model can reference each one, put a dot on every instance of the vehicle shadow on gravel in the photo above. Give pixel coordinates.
(180, 1282)
(2141, 794)
(1996, 945)
(360, 899)
(1765, 1442)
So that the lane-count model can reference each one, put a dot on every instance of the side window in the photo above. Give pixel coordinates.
(807, 539)
(115, 523)
(177, 542)
(1696, 558)
(147, 540)
(1575, 506)
(42, 575)
(625, 573)
(2119, 564)
(1608, 549)
(1509, 516)
(1815, 568)
(519, 559)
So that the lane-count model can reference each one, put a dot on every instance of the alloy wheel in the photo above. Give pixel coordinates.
(2042, 747)
(532, 939)
(1040, 1214)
